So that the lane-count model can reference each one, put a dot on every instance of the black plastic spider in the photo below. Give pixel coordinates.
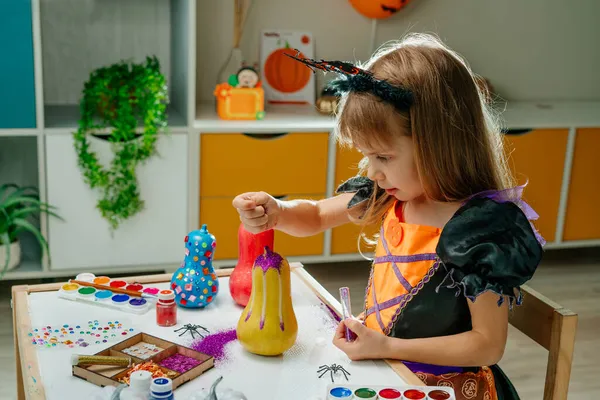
(333, 369)
(193, 329)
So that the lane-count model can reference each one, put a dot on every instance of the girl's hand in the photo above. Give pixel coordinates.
(258, 211)
(369, 344)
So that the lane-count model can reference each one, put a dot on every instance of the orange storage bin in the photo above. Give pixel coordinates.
(240, 103)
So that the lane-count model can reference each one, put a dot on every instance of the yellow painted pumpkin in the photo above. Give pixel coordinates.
(268, 324)
(378, 9)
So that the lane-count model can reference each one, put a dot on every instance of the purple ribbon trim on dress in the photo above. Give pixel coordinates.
(431, 369)
(384, 305)
(405, 259)
(513, 195)
(395, 268)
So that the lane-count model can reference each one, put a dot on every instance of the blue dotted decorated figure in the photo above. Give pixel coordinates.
(195, 283)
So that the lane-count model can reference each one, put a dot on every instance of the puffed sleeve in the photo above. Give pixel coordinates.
(361, 186)
(488, 246)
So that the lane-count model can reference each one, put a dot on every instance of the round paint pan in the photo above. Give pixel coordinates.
(70, 289)
(101, 280)
(365, 393)
(136, 287)
(439, 394)
(103, 296)
(340, 392)
(137, 304)
(151, 290)
(389, 393)
(414, 394)
(118, 284)
(120, 299)
(86, 277)
(86, 292)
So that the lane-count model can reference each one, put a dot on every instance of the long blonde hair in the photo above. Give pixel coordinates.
(458, 144)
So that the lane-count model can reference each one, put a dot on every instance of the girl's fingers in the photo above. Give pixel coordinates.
(254, 213)
(256, 222)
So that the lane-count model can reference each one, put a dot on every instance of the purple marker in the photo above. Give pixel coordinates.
(346, 311)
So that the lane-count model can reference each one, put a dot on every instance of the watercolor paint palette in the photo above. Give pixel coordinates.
(359, 392)
(106, 297)
(179, 363)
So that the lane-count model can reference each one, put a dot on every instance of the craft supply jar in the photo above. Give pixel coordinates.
(166, 308)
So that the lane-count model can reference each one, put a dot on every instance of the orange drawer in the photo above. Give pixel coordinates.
(539, 156)
(223, 221)
(231, 164)
(344, 239)
(582, 219)
(346, 164)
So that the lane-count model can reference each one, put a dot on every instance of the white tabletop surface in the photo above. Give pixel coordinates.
(290, 376)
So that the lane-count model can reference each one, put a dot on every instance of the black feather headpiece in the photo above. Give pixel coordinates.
(354, 79)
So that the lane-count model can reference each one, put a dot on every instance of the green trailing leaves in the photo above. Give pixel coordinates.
(18, 207)
(121, 96)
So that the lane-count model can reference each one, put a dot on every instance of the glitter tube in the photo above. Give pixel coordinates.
(346, 311)
(80, 360)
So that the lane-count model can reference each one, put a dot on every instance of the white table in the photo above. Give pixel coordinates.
(46, 373)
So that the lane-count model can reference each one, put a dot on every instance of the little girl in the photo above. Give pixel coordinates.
(456, 240)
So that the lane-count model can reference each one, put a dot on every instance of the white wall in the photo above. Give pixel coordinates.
(529, 49)
(79, 36)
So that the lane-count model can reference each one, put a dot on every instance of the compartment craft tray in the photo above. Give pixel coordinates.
(110, 375)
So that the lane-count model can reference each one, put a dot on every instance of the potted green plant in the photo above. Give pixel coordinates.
(19, 206)
(123, 98)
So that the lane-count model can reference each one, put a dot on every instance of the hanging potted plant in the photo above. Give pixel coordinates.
(19, 207)
(121, 98)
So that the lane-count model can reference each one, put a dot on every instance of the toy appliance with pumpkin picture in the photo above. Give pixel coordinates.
(284, 80)
(242, 96)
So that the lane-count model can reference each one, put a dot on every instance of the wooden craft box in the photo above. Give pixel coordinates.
(109, 375)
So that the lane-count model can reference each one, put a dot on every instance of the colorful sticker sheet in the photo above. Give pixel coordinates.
(94, 332)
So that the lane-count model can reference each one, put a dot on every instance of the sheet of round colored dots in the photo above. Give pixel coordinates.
(79, 335)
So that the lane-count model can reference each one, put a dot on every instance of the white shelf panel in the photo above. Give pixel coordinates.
(278, 118)
(18, 132)
(294, 118)
(27, 269)
(65, 118)
(523, 115)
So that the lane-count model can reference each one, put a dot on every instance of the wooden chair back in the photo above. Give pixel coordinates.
(553, 327)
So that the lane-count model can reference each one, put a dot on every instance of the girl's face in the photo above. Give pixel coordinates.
(394, 169)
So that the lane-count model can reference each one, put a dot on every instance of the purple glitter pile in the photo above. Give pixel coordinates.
(179, 363)
(214, 345)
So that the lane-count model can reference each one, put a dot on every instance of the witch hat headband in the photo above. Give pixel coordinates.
(355, 79)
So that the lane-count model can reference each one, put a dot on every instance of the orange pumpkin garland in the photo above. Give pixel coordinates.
(378, 9)
(283, 73)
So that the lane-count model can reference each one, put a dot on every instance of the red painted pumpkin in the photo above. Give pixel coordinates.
(250, 247)
(285, 74)
(378, 9)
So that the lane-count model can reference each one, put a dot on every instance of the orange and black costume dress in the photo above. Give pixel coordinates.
(422, 277)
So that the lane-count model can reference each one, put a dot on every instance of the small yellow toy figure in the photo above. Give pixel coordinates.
(268, 324)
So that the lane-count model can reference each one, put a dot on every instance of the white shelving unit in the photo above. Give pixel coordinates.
(72, 37)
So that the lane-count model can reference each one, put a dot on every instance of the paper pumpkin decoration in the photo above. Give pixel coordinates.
(285, 80)
(195, 283)
(268, 324)
(284, 73)
(378, 9)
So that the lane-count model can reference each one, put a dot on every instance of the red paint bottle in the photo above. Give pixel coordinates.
(166, 308)
(250, 246)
